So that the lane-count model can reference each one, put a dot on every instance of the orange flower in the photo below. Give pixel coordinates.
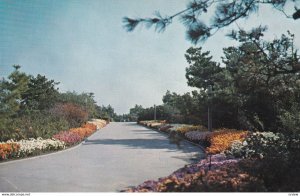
(82, 132)
(221, 139)
(8, 149)
(89, 126)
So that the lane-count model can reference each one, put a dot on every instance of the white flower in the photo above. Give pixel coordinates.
(261, 156)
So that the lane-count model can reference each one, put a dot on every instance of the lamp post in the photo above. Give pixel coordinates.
(154, 112)
(209, 119)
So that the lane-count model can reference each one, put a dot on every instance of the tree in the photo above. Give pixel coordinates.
(41, 93)
(202, 71)
(266, 75)
(11, 92)
(134, 112)
(106, 112)
(258, 89)
(225, 13)
(85, 100)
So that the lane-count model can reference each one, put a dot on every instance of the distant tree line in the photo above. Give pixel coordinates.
(32, 106)
(257, 88)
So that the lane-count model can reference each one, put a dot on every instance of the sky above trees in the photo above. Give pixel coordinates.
(83, 45)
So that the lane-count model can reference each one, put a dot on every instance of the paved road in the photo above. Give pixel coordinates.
(118, 156)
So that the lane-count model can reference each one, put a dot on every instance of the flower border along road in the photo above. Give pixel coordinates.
(45, 154)
(182, 138)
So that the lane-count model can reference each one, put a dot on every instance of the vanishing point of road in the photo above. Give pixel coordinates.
(114, 158)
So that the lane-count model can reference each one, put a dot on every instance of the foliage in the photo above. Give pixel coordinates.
(220, 13)
(182, 108)
(74, 114)
(11, 92)
(32, 107)
(84, 100)
(40, 95)
(258, 145)
(265, 77)
(148, 113)
(221, 139)
(265, 151)
(256, 89)
(289, 120)
(135, 112)
(107, 113)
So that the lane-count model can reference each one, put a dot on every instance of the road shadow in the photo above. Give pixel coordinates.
(145, 144)
(131, 124)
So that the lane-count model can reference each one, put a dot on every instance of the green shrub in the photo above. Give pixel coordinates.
(274, 158)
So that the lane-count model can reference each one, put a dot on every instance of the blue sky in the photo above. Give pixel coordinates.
(82, 45)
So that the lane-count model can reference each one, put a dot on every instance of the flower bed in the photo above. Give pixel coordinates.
(8, 150)
(36, 146)
(153, 123)
(24, 148)
(217, 174)
(29, 147)
(82, 132)
(246, 164)
(221, 139)
(165, 128)
(187, 128)
(76, 135)
(197, 136)
(98, 122)
(91, 126)
(70, 138)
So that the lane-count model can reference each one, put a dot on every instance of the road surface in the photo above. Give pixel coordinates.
(116, 157)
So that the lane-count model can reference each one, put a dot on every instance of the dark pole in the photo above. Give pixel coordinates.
(154, 112)
(209, 124)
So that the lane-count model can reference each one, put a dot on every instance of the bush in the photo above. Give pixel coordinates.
(33, 125)
(265, 151)
(258, 145)
(74, 114)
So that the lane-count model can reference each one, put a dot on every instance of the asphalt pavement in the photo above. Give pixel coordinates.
(117, 156)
